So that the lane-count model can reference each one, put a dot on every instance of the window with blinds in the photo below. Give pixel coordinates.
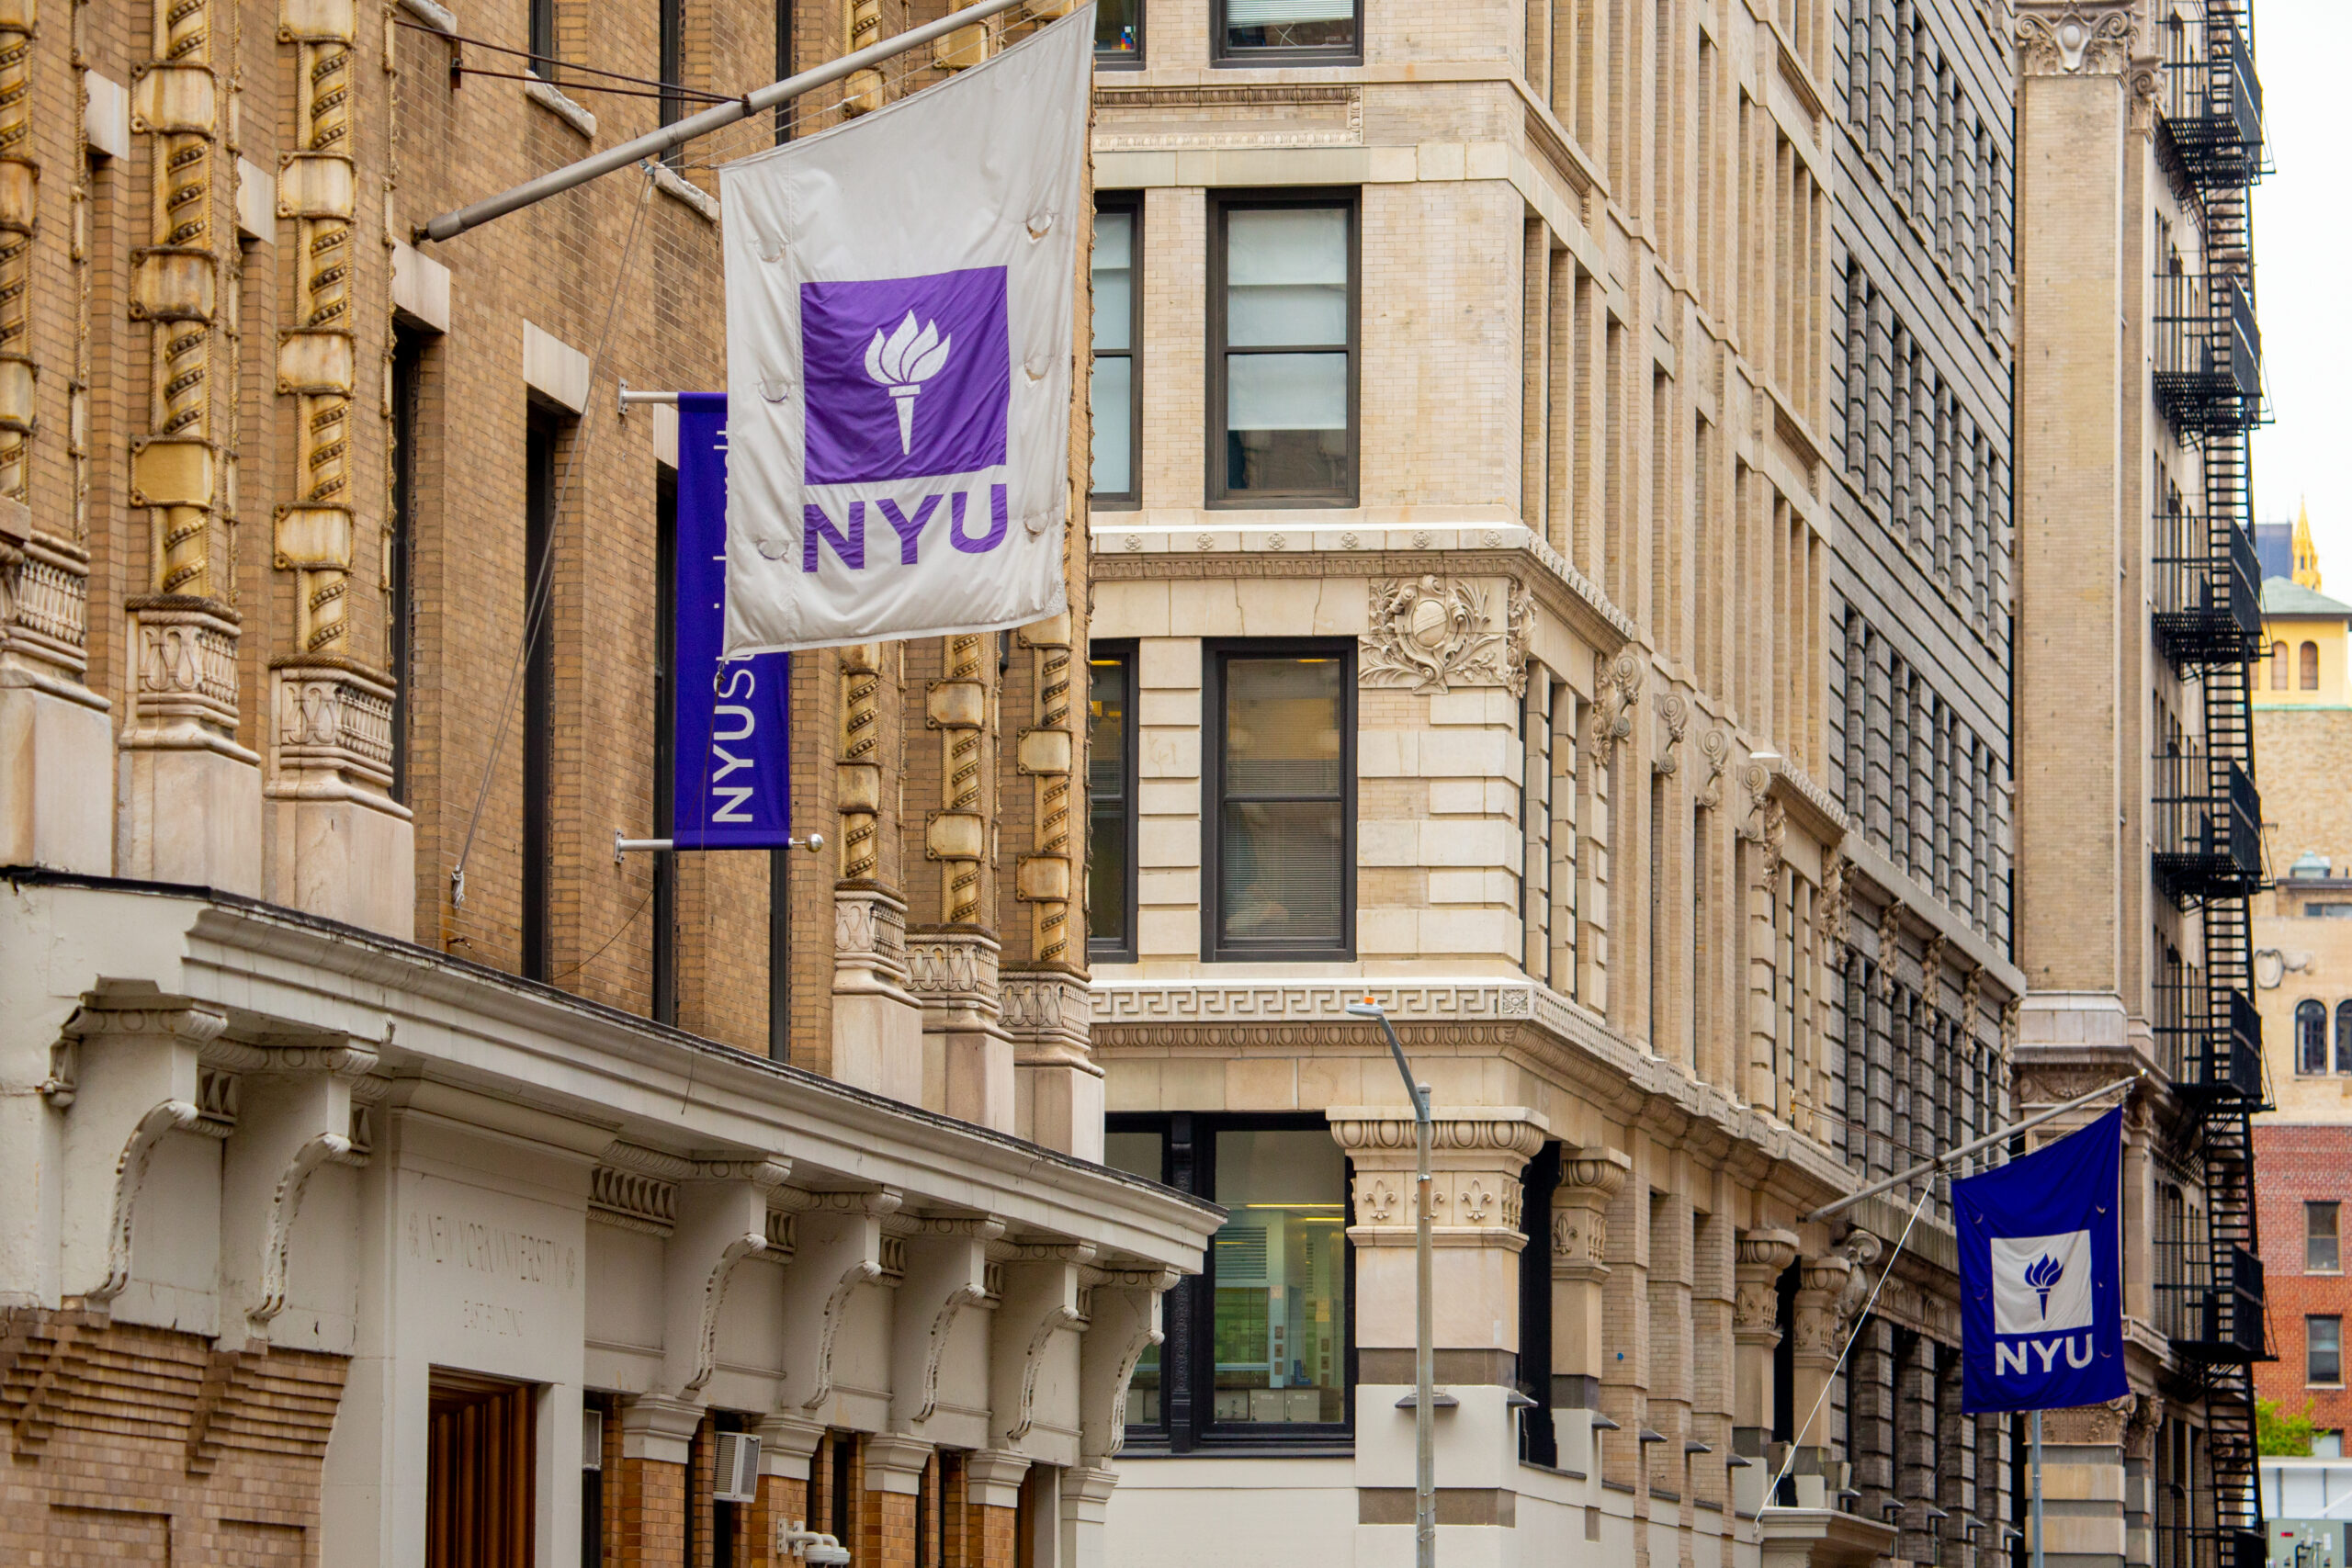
(1284, 317)
(1112, 391)
(1280, 820)
(1312, 31)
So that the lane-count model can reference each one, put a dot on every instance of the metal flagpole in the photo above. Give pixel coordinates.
(2037, 1490)
(1941, 1160)
(1424, 1305)
(449, 225)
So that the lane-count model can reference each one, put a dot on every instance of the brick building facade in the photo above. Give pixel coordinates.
(399, 1173)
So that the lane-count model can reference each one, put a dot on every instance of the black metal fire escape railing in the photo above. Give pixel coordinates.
(2206, 815)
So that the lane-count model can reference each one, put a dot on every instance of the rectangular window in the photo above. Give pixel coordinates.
(538, 684)
(1259, 1347)
(543, 38)
(1113, 395)
(399, 547)
(479, 1470)
(673, 45)
(2321, 1253)
(2324, 1350)
(1118, 35)
(1110, 804)
(1282, 324)
(1287, 32)
(1279, 878)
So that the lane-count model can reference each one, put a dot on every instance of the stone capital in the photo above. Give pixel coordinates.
(894, 1463)
(2091, 1426)
(2074, 38)
(1590, 1178)
(658, 1427)
(1762, 1256)
(992, 1477)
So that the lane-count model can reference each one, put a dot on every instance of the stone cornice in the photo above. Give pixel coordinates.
(1527, 1023)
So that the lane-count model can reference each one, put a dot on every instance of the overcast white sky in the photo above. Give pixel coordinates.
(2302, 242)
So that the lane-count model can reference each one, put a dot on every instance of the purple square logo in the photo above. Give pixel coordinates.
(908, 377)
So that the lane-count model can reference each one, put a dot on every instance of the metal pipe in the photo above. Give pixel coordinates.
(449, 225)
(1424, 1305)
(621, 846)
(1941, 1160)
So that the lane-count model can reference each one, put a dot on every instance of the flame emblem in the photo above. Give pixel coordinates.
(2043, 1276)
(902, 363)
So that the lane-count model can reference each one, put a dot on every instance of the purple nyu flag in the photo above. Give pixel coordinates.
(731, 783)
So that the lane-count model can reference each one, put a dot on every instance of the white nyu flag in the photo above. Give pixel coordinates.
(899, 349)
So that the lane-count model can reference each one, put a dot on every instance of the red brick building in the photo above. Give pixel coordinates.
(2305, 1192)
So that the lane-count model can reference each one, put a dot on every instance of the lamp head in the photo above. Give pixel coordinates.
(1366, 1009)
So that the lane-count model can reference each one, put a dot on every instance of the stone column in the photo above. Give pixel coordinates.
(1059, 1088)
(1590, 1178)
(1763, 1257)
(2084, 1484)
(1476, 1156)
(337, 843)
(1831, 1292)
(967, 1066)
(787, 1447)
(894, 1467)
(191, 795)
(650, 1494)
(877, 1024)
(992, 1489)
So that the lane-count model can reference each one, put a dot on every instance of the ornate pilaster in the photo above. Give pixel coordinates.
(1475, 1196)
(877, 1023)
(957, 834)
(191, 808)
(1830, 1291)
(1589, 1180)
(1057, 1086)
(860, 27)
(1047, 753)
(1762, 1256)
(20, 219)
(858, 775)
(953, 974)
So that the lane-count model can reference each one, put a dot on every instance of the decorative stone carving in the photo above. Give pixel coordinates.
(632, 1201)
(1048, 752)
(951, 968)
(45, 612)
(858, 775)
(1890, 948)
(1617, 686)
(2074, 39)
(333, 718)
(1474, 1159)
(1716, 749)
(1590, 1178)
(188, 662)
(1767, 822)
(1761, 1258)
(1838, 900)
(1433, 634)
(957, 834)
(1674, 716)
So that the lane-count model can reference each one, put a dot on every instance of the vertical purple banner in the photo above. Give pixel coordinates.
(732, 787)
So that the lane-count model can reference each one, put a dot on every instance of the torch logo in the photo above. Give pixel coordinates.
(2042, 1277)
(876, 350)
(903, 362)
(2041, 1284)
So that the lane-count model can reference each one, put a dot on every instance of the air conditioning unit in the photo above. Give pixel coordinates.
(591, 1439)
(737, 1474)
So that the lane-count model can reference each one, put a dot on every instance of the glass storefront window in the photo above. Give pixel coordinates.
(1279, 1336)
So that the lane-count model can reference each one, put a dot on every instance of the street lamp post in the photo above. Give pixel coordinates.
(1424, 1352)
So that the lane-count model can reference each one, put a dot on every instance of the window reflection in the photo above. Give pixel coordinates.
(1279, 1262)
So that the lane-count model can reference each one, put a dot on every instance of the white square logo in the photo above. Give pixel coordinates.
(2041, 1284)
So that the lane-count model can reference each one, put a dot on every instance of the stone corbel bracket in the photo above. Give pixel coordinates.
(946, 1270)
(135, 1076)
(1045, 1285)
(1123, 1323)
(1617, 686)
(722, 1208)
(840, 1249)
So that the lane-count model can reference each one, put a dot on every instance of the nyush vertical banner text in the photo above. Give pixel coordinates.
(732, 786)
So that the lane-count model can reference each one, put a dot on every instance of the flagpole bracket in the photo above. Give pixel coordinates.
(624, 845)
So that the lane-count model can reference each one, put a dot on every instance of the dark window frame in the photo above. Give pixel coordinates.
(2309, 1366)
(1187, 1422)
(2311, 1037)
(2343, 1032)
(1220, 493)
(672, 47)
(409, 347)
(1126, 59)
(1122, 948)
(1215, 652)
(540, 25)
(542, 516)
(1129, 202)
(2334, 1238)
(1223, 55)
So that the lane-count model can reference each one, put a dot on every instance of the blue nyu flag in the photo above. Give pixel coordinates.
(2042, 1277)
(731, 784)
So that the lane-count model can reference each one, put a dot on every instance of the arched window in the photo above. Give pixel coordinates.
(2310, 666)
(2311, 1037)
(2344, 1037)
(2278, 666)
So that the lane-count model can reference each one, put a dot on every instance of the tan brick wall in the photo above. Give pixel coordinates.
(649, 1506)
(142, 1444)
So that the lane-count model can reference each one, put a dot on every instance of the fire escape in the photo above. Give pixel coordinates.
(2206, 815)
